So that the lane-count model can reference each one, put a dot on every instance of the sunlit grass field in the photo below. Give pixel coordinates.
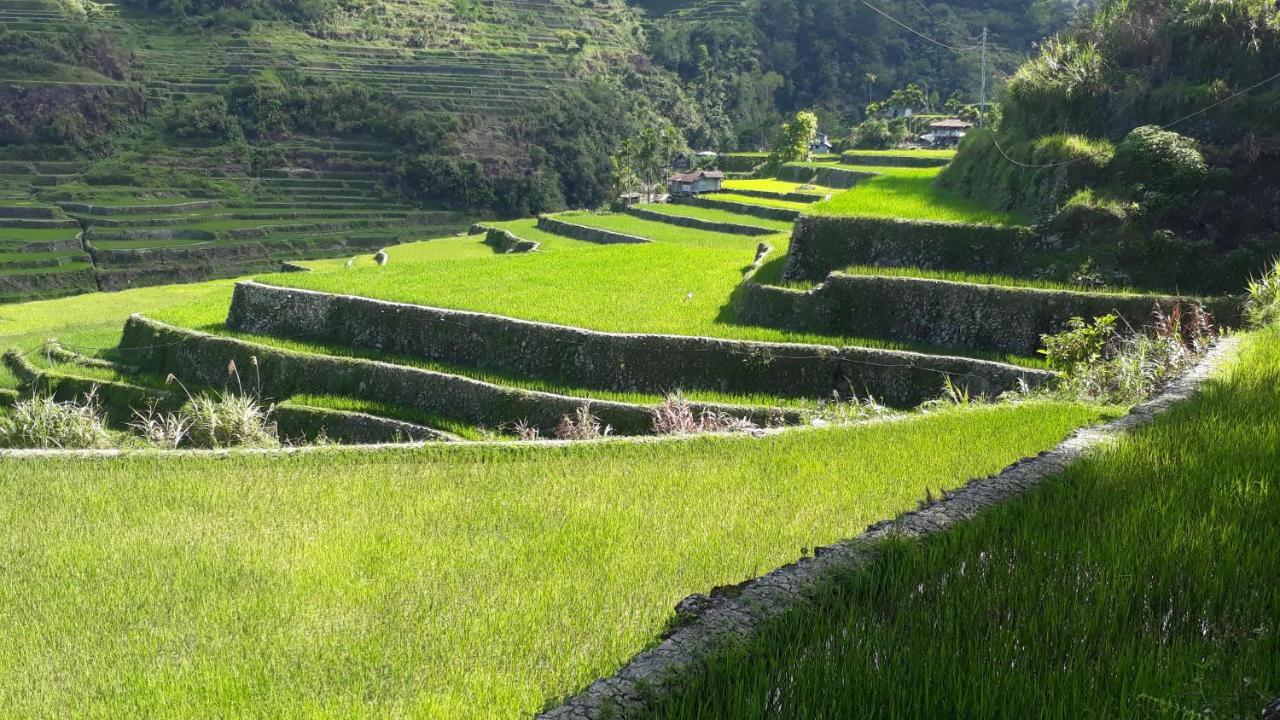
(908, 193)
(1140, 584)
(465, 582)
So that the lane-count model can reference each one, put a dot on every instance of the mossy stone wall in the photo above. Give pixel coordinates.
(624, 362)
(586, 234)
(200, 358)
(943, 313)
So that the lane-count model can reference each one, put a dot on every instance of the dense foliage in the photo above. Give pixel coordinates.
(1148, 137)
(781, 56)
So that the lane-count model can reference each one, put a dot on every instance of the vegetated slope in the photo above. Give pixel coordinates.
(1136, 585)
(1148, 136)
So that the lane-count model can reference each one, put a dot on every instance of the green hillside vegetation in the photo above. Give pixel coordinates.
(1150, 138)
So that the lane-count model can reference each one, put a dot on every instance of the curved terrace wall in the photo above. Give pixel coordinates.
(625, 362)
(854, 157)
(771, 213)
(200, 358)
(945, 313)
(699, 223)
(822, 244)
(586, 234)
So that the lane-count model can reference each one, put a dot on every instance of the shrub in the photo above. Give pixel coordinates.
(1103, 364)
(228, 420)
(205, 117)
(1160, 161)
(873, 134)
(41, 422)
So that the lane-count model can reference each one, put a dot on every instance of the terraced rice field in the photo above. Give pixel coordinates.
(907, 193)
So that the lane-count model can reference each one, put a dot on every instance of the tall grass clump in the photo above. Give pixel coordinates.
(1102, 362)
(676, 416)
(42, 422)
(1263, 306)
(582, 425)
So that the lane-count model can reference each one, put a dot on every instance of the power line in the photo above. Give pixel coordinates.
(899, 23)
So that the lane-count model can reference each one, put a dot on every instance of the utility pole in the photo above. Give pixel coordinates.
(982, 101)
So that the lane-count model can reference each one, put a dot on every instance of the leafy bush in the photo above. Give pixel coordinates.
(42, 422)
(1263, 307)
(206, 117)
(1101, 363)
(1158, 160)
(875, 134)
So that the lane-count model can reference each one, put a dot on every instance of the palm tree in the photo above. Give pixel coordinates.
(871, 80)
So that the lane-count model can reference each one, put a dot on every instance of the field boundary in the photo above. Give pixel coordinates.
(761, 211)
(612, 361)
(567, 229)
(731, 616)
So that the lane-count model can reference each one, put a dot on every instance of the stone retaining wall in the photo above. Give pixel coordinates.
(587, 234)
(733, 616)
(200, 358)
(822, 244)
(296, 424)
(854, 157)
(137, 209)
(944, 313)
(611, 361)
(800, 197)
(772, 213)
(39, 223)
(699, 223)
(832, 177)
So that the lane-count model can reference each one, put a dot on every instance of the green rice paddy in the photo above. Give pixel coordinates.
(908, 193)
(460, 582)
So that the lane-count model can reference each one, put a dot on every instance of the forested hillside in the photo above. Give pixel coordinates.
(1148, 135)
(280, 120)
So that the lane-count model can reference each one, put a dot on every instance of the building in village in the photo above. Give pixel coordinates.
(946, 133)
(696, 182)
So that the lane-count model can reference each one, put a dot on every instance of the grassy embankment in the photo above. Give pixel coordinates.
(450, 582)
(1139, 584)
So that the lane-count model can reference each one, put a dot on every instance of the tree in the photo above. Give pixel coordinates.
(793, 140)
(871, 80)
